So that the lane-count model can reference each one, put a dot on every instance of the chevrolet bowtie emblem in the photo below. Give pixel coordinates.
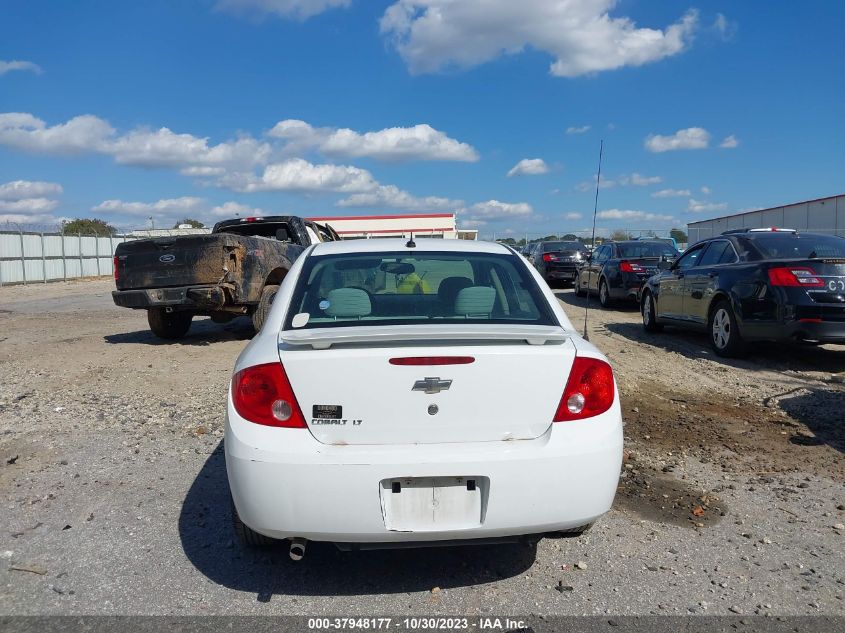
(432, 385)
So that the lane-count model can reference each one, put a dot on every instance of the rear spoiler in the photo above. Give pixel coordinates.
(324, 338)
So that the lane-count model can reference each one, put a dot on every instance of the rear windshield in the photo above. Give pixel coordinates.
(433, 287)
(806, 246)
(550, 247)
(257, 229)
(646, 249)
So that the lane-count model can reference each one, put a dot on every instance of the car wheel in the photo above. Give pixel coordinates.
(169, 325)
(604, 295)
(577, 283)
(724, 332)
(246, 535)
(649, 311)
(259, 315)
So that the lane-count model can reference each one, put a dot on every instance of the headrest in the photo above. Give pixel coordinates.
(348, 302)
(449, 288)
(475, 301)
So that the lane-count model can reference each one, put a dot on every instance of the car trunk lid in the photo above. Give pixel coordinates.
(366, 392)
(830, 274)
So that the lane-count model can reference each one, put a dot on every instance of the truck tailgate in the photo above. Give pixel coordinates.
(174, 261)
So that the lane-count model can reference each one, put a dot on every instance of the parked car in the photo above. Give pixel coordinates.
(363, 414)
(753, 285)
(528, 249)
(234, 270)
(558, 261)
(617, 270)
(666, 240)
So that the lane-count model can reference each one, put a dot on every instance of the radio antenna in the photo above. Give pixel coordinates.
(593, 240)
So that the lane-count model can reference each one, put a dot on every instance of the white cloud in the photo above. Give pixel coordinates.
(299, 175)
(697, 206)
(6, 67)
(202, 171)
(689, 138)
(580, 35)
(294, 9)
(391, 197)
(234, 209)
(706, 190)
(420, 142)
(149, 148)
(625, 180)
(573, 216)
(166, 207)
(495, 210)
(635, 216)
(671, 193)
(86, 133)
(28, 189)
(726, 29)
(730, 142)
(578, 130)
(28, 201)
(29, 205)
(529, 167)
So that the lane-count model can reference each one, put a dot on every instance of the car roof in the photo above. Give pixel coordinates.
(423, 244)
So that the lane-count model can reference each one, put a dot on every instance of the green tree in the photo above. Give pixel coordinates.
(195, 224)
(619, 235)
(569, 237)
(548, 238)
(679, 235)
(507, 240)
(89, 226)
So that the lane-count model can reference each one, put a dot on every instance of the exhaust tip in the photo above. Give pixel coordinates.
(297, 548)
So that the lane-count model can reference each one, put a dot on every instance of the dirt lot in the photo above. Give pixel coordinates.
(114, 495)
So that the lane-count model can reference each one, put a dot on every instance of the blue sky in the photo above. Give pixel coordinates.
(208, 108)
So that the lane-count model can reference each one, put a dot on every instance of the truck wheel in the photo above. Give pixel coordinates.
(169, 325)
(259, 315)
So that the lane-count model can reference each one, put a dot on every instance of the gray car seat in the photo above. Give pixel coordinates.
(348, 303)
(475, 302)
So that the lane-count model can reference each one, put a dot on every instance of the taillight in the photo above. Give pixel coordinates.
(548, 258)
(116, 275)
(589, 390)
(432, 360)
(262, 394)
(794, 277)
(628, 267)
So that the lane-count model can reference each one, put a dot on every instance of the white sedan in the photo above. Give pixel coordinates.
(403, 393)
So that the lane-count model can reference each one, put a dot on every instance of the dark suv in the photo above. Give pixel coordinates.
(753, 285)
(558, 261)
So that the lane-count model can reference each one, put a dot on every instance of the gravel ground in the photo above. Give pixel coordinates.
(114, 496)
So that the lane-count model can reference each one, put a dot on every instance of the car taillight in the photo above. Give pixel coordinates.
(589, 390)
(794, 277)
(262, 394)
(116, 275)
(628, 267)
(548, 258)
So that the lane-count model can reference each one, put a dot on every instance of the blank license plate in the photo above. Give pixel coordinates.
(426, 504)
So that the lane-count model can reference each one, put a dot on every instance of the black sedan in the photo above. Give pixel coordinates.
(617, 270)
(753, 285)
(558, 261)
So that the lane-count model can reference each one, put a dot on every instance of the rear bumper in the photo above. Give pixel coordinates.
(824, 331)
(198, 297)
(286, 484)
(626, 287)
(562, 272)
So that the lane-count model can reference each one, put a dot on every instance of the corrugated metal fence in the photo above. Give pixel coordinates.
(29, 257)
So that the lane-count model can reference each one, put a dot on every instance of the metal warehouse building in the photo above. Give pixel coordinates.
(822, 215)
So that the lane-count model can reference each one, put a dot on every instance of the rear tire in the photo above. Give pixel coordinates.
(578, 291)
(169, 325)
(246, 535)
(724, 331)
(604, 295)
(259, 315)
(649, 311)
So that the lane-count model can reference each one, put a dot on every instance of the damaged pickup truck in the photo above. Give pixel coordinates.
(233, 271)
